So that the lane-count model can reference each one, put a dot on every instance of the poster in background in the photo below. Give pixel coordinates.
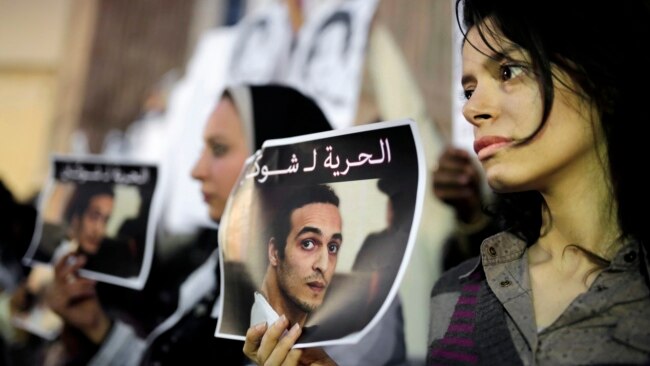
(377, 173)
(102, 209)
(323, 59)
(328, 61)
(262, 46)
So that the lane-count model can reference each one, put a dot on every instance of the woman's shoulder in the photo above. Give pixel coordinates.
(452, 279)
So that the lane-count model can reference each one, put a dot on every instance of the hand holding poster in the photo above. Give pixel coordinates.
(319, 228)
(93, 213)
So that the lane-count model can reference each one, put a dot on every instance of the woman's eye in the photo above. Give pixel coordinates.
(218, 149)
(333, 248)
(511, 71)
(467, 93)
(308, 244)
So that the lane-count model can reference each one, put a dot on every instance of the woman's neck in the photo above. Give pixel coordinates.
(579, 221)
(580, 212)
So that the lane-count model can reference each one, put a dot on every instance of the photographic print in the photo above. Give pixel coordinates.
(320, 228)
(103, 210)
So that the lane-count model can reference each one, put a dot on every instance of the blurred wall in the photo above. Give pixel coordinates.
(90, 64)
(423, 29)
(135, 44)
(32, 40)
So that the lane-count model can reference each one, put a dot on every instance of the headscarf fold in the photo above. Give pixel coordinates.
(275, 111)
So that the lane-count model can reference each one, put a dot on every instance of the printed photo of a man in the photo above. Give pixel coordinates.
(86, 216)
(318, 232)
(304, 242)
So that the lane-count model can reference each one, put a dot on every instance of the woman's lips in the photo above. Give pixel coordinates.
(489, 145)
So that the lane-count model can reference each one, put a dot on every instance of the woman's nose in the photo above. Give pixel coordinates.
(481, 107)
(198, 171)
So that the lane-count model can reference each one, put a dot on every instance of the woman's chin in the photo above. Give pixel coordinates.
(215, 215)
(500, 184)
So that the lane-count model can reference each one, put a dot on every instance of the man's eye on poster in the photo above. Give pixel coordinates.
(320, 228)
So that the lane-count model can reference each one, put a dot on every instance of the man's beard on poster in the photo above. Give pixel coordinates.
(289, 273)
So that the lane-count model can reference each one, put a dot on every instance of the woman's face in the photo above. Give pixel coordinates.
(222, 158)
(505, 106)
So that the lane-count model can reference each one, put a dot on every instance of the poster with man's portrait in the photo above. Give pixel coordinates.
(323, 58)
(262, 45)
(327, 62)
(320, 228)
(102, 210)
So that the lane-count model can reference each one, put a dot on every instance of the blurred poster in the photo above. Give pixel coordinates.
(323, 59)
(328, 60)
(101, 209)
(320, 228)
(262, 46)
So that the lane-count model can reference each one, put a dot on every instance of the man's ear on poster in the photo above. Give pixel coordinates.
(273, 253)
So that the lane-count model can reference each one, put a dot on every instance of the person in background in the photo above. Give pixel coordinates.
(390, 242)
(17, 221)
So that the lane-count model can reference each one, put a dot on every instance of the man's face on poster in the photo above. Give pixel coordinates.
(91, 228)
(311, 253)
